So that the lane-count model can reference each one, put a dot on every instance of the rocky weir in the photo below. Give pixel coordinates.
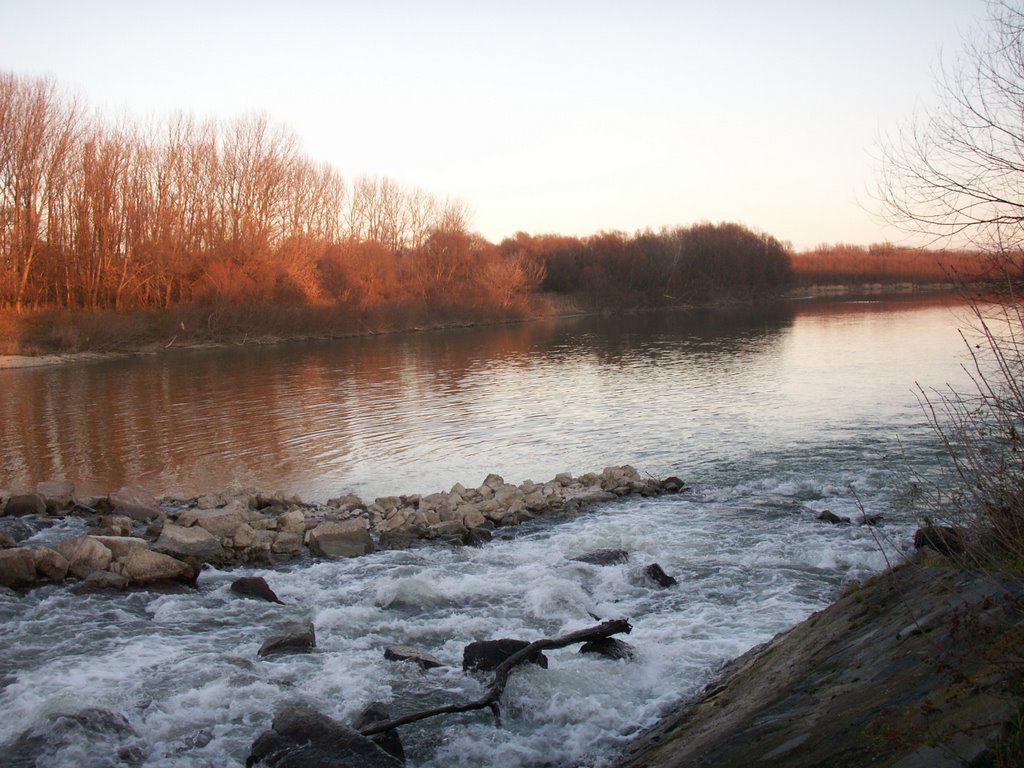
(134, 539)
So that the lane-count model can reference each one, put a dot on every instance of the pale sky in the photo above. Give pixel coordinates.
(567, 117)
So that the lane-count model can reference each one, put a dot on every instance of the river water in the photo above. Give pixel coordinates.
(771, 415)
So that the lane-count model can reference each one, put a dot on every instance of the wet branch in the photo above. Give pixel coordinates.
(490, 699)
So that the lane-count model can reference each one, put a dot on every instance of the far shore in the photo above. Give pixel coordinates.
(813, 293)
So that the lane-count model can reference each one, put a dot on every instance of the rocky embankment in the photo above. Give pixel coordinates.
(920, 667)
(135, 539)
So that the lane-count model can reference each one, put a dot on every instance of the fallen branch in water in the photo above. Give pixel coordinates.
(490, 699)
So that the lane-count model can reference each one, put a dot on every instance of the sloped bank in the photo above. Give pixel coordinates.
(134, 539)
(920, 667)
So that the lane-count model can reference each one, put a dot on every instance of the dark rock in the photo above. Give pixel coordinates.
(943, 539)
(655, 573)
(297, 641)
(831, 517)
(301, 737)
(870, 519)
(17, 567)
(611, 647)
(408, 653)
(25, 504)
(485, 655)
(604, 557)
(377, 712)
(106, 737)
(6, 542)
(672, 484)
(477, 537)
(255, 586)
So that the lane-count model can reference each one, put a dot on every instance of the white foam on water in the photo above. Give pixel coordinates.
(751, 560)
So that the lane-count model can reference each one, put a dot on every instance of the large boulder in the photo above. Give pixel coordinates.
(485, 655)
(194, 541)
(120, 546)
(298, 640)
(50, 564)
(301, 737)
(25, 504)
(222, 522)
(345, 539)
(17, 568)
(58, 495)
(144, 566)
(84, 554)
(135, 502)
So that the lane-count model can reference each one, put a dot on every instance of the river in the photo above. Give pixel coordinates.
(770, 414)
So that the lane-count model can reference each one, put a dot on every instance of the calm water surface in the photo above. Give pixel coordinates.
(770, 415)
(699, 395)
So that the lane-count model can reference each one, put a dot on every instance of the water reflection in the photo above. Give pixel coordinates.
(682, 392)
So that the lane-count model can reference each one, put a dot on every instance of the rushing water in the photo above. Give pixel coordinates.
(770, 415)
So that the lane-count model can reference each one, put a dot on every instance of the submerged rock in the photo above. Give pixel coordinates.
(101, 580)
(408, 653)
(603, 557)
(299, 640)
(302, 737)
(485, 655)
(93, 736)
(831, 517)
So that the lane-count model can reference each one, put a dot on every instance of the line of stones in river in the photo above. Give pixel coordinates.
(137, 540)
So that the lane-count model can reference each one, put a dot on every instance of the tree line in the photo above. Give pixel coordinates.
(96, 214)
(102, 214)
(845, 263)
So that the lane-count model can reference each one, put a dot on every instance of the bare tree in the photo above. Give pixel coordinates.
(956, 172)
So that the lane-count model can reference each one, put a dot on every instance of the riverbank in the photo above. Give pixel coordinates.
(919, 667)
(54, 338)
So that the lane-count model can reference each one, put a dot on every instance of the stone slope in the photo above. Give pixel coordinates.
(918, 668)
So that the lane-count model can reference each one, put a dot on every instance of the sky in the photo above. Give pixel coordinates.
(543, 117)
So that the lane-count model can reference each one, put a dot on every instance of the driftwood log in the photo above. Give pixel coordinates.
(490, 699)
